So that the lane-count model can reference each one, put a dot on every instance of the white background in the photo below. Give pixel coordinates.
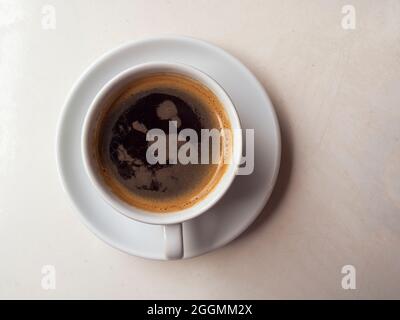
(337, 201)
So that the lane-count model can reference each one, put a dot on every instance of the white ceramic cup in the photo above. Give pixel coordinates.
(172, 221)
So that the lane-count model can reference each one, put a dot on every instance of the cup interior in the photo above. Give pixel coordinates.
(109, 93)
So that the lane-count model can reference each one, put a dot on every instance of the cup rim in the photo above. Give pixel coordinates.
(212, 197)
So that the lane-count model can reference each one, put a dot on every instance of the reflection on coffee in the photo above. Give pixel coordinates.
(156, 102)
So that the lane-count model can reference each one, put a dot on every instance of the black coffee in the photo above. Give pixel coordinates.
(157, 102)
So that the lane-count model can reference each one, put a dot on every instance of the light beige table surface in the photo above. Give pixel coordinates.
(337, 201)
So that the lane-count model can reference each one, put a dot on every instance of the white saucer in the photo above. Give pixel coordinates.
(243, 201)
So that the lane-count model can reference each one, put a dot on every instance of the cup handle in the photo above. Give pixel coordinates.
(173, 239)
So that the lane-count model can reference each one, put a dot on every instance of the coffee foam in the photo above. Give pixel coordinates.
(208, 175)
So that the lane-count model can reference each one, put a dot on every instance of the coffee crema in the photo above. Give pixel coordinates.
(120, 143)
